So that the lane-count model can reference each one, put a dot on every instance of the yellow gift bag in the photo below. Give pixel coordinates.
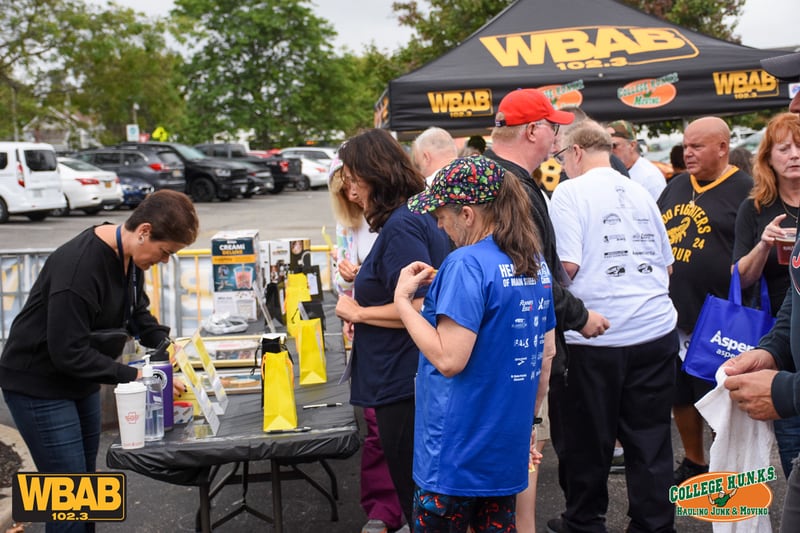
(277, 376)
(296, 292)
(311, 347)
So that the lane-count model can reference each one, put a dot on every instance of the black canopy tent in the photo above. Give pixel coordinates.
(612, 60)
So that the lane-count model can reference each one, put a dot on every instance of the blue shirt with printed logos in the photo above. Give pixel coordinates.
(472, 431)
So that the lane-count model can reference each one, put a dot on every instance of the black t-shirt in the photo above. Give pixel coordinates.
(749, 226)
(701, 233)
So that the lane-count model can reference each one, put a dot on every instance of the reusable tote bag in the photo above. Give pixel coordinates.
(311, 348)
(725, 329)
(277, 376)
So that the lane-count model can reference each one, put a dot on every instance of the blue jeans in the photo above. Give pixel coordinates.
(787, 435)
(62, 436)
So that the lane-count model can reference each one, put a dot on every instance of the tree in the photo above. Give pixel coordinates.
(717, 18)
(265, 65)
(30, 33)
(80, 58)
(116, 66)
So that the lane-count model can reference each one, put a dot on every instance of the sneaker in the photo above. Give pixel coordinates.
(554, 525)
(618, 464)
(687, 469)
(375, 526)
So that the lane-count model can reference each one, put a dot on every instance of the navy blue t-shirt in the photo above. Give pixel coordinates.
(385, 359)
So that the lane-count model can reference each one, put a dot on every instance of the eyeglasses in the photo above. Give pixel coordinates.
(548, 123)
(559, 156)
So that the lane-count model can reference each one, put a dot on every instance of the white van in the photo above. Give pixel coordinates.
(30, 184)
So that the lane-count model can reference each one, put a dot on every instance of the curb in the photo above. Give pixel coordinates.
(11, 437)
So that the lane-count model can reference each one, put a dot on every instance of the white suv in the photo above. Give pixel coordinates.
(30, 184)
(316, 164)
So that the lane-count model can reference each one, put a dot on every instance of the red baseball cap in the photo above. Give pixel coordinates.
(528, 105)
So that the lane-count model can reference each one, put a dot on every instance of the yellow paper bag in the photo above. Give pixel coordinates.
(296, 292)
(311, 348)
(277, 375)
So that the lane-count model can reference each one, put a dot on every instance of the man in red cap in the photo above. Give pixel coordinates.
(525, 128)
(786, 68)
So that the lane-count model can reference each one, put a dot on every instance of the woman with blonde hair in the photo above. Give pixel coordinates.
(769, 214)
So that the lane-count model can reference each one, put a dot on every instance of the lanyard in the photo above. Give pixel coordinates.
(130, 282)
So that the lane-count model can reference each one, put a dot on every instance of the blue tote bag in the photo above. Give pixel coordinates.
(725, 329)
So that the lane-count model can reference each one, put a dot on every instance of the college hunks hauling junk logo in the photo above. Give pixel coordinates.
(724, 496)
(649, 92)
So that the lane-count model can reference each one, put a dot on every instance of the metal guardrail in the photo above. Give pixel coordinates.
(180, 291)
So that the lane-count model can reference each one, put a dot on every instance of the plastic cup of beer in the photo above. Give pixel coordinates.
(130, 413)
(785, 245)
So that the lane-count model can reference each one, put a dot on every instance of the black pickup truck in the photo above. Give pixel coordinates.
(207, 178)
(284, 170)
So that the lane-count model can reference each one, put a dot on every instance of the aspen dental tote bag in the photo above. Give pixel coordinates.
(725, 329)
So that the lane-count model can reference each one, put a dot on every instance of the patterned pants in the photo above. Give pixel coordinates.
(439, 513)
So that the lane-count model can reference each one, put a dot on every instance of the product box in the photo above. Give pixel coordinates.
(299, 255)
(236, 272)
(278, 260)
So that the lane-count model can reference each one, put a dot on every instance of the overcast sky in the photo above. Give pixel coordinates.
(764, 23)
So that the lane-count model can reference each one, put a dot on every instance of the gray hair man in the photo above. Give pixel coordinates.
(431, 150)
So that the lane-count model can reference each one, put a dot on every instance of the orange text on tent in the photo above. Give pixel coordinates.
(590, 47)
(466, 103)
(745, 84)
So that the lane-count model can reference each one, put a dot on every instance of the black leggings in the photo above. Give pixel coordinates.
(396, 429)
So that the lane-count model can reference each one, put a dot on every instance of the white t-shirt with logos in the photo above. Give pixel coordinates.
(611, 228)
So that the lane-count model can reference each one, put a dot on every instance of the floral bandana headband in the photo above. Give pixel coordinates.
(465, 181)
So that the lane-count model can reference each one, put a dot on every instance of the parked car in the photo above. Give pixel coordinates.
(206, 177)
(29, 181)
(87, 187)
(284, 171)
(259, 179)
(134, 191)
(160, 168)
(315, 174)
(316, 162)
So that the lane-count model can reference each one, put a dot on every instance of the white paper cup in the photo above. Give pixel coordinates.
(131, 412)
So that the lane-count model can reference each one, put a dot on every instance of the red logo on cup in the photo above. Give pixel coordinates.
(132, 417)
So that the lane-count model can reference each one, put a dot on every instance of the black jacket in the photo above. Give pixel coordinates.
(80, 289)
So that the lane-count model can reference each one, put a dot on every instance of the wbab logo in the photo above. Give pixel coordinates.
(37, 497)
(724, 496)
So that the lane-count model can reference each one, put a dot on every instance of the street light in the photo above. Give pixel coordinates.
(135, 108)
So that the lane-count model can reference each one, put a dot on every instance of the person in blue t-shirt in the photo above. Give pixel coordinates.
(486, 326)
(384, 359)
